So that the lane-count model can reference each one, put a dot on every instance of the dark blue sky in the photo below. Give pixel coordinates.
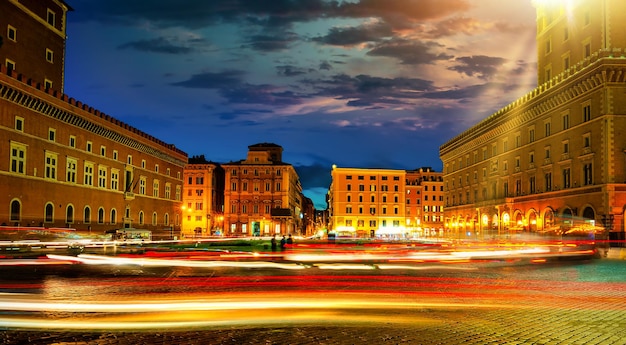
(359, 83)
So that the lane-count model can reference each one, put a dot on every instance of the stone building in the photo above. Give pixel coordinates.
(553, 161)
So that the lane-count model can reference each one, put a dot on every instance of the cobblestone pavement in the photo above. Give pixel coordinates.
(560, 305)
(580, 324)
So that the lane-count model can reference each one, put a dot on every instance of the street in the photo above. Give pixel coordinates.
(573, 301)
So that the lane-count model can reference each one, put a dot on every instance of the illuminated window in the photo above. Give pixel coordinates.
(12, 33)
(18, 158)
(51, 166)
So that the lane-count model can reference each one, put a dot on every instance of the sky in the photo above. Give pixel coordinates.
(352, 83)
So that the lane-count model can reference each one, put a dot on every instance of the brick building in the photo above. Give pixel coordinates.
(64, 163)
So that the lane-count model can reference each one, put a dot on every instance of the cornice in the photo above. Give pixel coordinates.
(602, 68)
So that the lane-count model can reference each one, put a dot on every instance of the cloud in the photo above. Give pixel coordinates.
(409, 52)
(208, 80)
(290, 70)
(484, 67)
(270, 42)
(156, 45)
(350, 36)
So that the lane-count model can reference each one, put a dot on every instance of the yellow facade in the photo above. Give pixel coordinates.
(201, 214)
(385, 203)
(553, 161)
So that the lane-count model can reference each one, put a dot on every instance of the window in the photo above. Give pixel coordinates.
(168, 190)
(278, 186)
(547, 129)
(518, 140)
(70, 170)
(49, 213)
(12, 33)
(588, 174)
(587, 49)
(51, 166)
(586, 112)
(587, 141)
(349, 209)
(115, 154)
(51, 18)
(531, 135)
(103, 151)
(100, 215)
(178, 193)
(156, 168)
(547, 151)
(102, 177)
(72, 141)
(143, 163)
(531, 158)
(19, 124)
(566, 62)
(140, 217)
(113, 216)
(10, 65)
(566, 177)
(49, 56)
(129, 160)
(244, 186)
(69, 214)
(18, 158)
(565, 121)
(87, 215)
(88, 177)
(154, 218)
(89, 146)
(233, 186)
(16, 211)
(548, 181)
(47, 84)
(52, 134)
(566, 147)
(142, 185)
(115, 179)
(155, 188)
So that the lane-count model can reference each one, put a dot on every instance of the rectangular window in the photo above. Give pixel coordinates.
(548, 182)
(566, 177)
(47, 83)
(587, 50)
(565, 121)
(19, 124)
(71, 170)
(10, 66)
(547, 129)
(115, 179)
(49, 56)
(12, 33)
(51, 17)
(531, 135)
(102, 177)
(155, 188)
(88, 176)
(103, 151)
(168, 190)
(72, 141)
(89, 146)
(548, 46)
(586, 112)
(278, 186)
(18, 158)
(566, 62)
(588, 174)
(142, 185)
(52, 134)
(51, 166)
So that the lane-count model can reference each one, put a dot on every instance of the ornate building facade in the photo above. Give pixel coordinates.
(553, 161)
(65, 164)
(262, 194)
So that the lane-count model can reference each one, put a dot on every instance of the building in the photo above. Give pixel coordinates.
(65, 163)
(553, 161)
(262, 194)
(424, 203)
(32, 40)
(367, 202)
(203, 198)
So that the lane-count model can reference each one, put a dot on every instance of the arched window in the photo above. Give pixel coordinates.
(166, 219)
(16, 211)
(49, 213)
(113, 216)
(69, 215)
(140, 217)
(154, 218)
(100, 215)
(87, 215)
